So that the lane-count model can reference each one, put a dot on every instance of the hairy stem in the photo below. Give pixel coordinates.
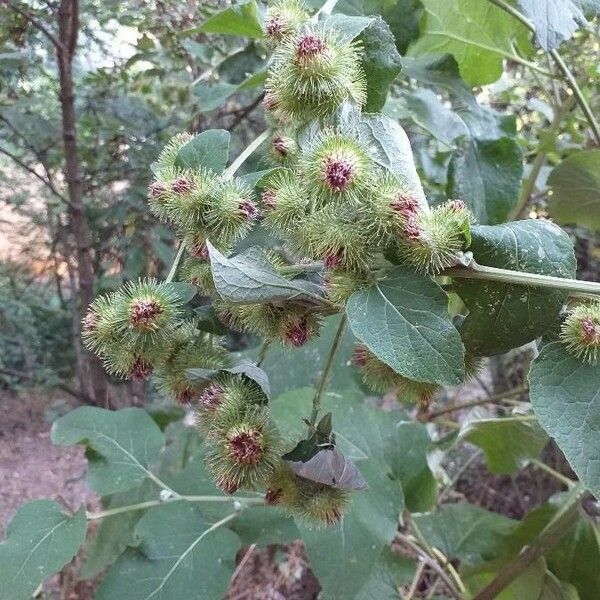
(316, 403)
(550, 536)
(558, 476)
(175, 265)
(573, 286)
(560, 63)
(232, 169)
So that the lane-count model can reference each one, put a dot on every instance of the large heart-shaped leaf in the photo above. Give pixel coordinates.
(241, 19)
(478, 34)
(486, 175)
(504, 316)
(179, 556)
(403, 319)
(249, 278)
(555, 20)
(40, 540)
(121, 445)
(506, 442)
(209, 149)
(565, 394)
(576, 189)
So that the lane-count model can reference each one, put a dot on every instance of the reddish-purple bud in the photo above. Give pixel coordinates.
(359, 356)
(144, 312)
(406, 205)
(182, 185)
(185, 395)
(310, 45)
(227, 486)
(199, 250)
(456, 205)
(273, 497)
(338, 174)
(282, 146)
(245, 447)
(332, 260)
(140, 369)
(274, 27)
(411, 230)
(90, 321)
(270, 101)
(248, 210)
(212, 396)
(297, 332)
(589, 329)
(157, 190)
(269, 199)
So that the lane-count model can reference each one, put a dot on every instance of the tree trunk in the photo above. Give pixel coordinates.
(68, 27)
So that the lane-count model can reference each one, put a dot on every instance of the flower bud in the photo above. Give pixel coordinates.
(336, 167)
(381, 378)
(284, 202)
(437, 238)
(283, 18)
(231, 212)
(283, 148)
(167, 157)
(313, 72)
(140, 369)
(244, 454)
(198, 272)
(342, 283)
(580, 332)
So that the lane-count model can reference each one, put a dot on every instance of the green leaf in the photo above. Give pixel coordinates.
(348, 27)
(554, 20)
(381, 63)
(506, 442)
(209, 149)
(482, 122)
(528, 584)
(263, 526)
(575, 186)
(565, 394)
(389, 147)
(242, 19)
(391, 571)
(250, 278)
(504, 316)
(554, 589)
(40, 540)
(466, 532)
(425, 109)
(478, 34)
(121, 445)
(211, 97)
(185, 291)
(403, 319)
(345, 556)
(178, 557)
(486, 175)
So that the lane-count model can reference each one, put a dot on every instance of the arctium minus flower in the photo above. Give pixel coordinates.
(313, 72)
(284, 202)
(283, 148)
(231, 213)
(168, 156)
(283, 18)
(336, 167)
(244, 454)
(580, 332)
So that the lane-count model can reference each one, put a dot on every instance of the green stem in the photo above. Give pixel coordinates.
(232, 169)
(575, 287)
(263, 352)
(176, 262)
(550, 536)
(92, 516)
(316, 404)
(560, 63)
(326, 9)
(558, 476)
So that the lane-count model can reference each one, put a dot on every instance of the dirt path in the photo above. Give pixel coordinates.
(31, 467)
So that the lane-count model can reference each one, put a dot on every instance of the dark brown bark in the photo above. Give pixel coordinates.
(68, 28)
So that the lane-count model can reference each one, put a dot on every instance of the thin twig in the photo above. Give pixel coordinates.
(244, 560)
(35, 23)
